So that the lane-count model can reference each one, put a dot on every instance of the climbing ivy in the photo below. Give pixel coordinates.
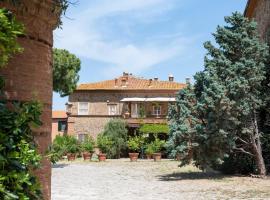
(18, 152)
(9, 31)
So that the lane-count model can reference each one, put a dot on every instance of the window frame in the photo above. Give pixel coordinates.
(79, 108)
(157, 114)
(84, 137)
(109, 109)
(61, 122)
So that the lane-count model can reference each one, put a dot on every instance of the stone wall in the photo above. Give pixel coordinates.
(28, 75)
(94, 122)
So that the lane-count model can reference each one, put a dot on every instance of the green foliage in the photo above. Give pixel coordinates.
(61, 146)
(65, 71)
(218, 115)
(135, 143)
(18, 154)
(59, 7)
(116, 131)
(9, 31)
(104, 143)
(154, 128)
(88, 144)
(157, 145)
(149, 149)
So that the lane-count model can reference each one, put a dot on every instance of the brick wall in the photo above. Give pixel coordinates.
(29, 74)
(262, 17)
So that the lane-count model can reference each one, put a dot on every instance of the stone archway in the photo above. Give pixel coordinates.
(28, 75)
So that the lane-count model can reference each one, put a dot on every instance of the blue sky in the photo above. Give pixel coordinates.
(149, 38)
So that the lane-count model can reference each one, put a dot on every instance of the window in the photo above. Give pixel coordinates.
(134, 110)
(112, 109)
(81, 137)
(156, 110)
(62, 126)
(83, 108)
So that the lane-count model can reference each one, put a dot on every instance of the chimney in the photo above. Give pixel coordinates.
(125, 74)
(150, 82)
(187, 80)
(115, 82)
(156, 78)
(171, 78)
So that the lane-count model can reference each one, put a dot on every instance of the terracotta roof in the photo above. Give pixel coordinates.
(129, 82)
(56, 114)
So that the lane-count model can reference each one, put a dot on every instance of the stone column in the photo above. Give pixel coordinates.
(28, 75)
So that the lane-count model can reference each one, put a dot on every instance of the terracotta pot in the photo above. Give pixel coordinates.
(133, 156)
(87, 155)
(157, 156)
(102, 157)
(71, 156)
(148, 156)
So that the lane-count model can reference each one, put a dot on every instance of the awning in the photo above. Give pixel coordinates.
(136, 99)
(154, 99)
(160, 99)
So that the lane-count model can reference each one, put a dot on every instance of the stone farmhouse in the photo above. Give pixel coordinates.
(131, 98)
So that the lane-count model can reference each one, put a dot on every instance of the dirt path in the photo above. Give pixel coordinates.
(147, 180)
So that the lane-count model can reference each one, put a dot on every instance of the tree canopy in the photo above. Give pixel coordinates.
(219, 115)
(65, 71)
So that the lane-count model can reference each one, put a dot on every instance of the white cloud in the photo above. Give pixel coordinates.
(84, 37)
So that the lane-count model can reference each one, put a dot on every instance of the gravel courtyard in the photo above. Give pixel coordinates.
(147, 180)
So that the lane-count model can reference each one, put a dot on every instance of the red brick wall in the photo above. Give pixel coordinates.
(29, 74)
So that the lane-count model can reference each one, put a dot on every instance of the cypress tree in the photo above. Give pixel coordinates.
(229, 95)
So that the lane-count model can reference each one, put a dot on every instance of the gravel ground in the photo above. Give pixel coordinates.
(147, 180)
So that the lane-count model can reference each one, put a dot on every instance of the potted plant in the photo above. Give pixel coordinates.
(157, 145)
(134, 145)
(72, 148)
(87, 147)
(149, 151)
(104, 144)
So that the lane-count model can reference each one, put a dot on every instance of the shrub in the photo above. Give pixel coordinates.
(61, 146)
(104, 144)
(157, 145)
(116, 131)
(149, 149)
(88, 144)
(135, 143)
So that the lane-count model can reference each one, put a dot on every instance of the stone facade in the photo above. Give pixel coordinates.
(28, 75)
(98, 102)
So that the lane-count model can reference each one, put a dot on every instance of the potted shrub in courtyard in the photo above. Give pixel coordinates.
(104, 144)
(72, 147)
(87, 147)
(157, 145)
(134, 145)
(149, 151)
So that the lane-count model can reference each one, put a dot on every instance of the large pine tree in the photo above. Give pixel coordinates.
(228, 96)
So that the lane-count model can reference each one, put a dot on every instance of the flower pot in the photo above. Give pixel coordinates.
(102, 157)
(148, 156)
(87, 155)
(133, 156)
(157, 156)
(71, 156)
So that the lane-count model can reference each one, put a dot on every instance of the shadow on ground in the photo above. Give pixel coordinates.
(60, 165)
(191, 176)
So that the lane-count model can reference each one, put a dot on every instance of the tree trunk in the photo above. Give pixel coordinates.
(257, 148)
